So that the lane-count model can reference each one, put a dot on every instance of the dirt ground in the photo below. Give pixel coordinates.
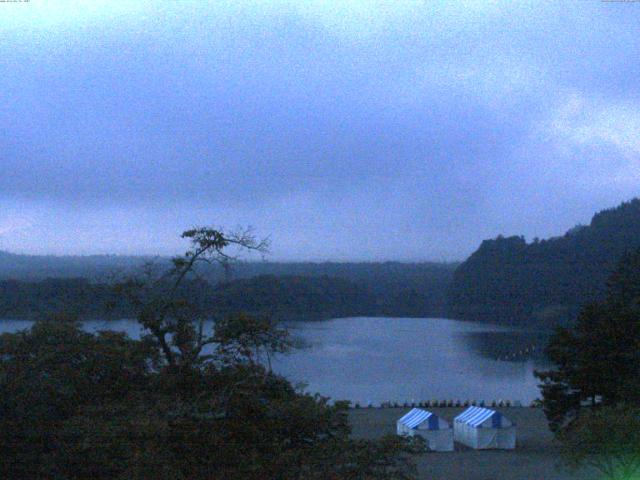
(535, 458)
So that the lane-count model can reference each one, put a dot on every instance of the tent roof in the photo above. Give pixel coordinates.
(415, 417)
(475, 416)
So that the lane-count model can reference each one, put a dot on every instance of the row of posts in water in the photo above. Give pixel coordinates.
(447, 404)
(523, 353)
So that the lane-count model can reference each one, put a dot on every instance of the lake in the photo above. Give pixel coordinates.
(373, 360)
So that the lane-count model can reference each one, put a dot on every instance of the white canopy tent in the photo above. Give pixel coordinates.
(482, 428)
(436, 432)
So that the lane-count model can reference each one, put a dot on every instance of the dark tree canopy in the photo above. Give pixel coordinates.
(544, 283)
(183, 403)
(608, 440)
(592, 397)
(598, 360)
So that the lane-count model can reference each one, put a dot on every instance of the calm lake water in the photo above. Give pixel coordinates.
(399, 359)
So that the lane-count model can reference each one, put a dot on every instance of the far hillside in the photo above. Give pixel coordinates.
(33, 286)
(544, 283)
(288, 297)
(283, 298)
(38, 267)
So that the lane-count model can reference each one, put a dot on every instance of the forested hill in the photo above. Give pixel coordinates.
(356, 289)
(284, 297)
(544, 283)
(428, 278)
(294, 297)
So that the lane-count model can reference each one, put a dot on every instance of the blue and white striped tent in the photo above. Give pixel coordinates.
(437, 433)
(482, 428)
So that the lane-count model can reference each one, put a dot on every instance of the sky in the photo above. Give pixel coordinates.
(341, 130)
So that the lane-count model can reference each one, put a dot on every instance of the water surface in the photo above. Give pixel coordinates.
(373, 360)
(410, 359)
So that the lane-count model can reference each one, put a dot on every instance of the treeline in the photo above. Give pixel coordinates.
(293, 297)
(544, 283)
(73, 296)
(31, 284)
(386, 288)
(282, 297)
(104, 267)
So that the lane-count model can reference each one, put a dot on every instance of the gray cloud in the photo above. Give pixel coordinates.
(345, 130)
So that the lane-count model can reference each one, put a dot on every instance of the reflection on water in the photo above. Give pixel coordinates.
(373, 360)
(411, 359)
(510, 346)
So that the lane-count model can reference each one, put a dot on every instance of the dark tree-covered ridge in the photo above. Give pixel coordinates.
(397, 290)
(546, 282)
(32, 285)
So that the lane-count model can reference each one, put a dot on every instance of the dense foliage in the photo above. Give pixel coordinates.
(544, 283)
(77, 405)
(598, 360)
(592, 396)
(182, 403)
(608, 440)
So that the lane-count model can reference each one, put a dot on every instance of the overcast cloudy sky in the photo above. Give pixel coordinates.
(406, 130)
